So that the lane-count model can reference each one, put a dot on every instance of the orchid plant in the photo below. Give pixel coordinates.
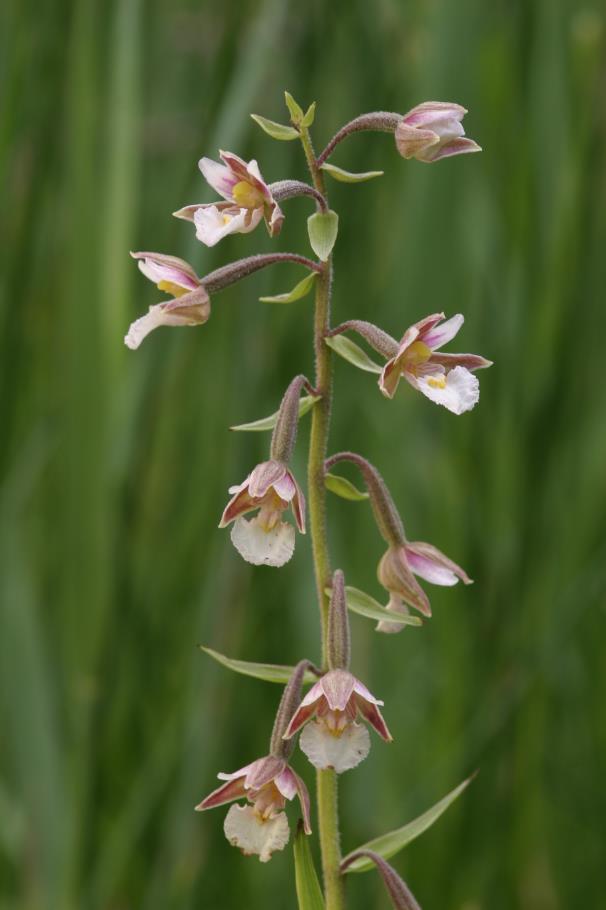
(331, 720)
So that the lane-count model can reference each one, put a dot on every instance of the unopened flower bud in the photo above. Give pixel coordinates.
(433, 130)
(400, 894)
(338, 649)
(289, 702)
(285, 431)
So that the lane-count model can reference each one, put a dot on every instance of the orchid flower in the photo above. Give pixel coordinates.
(397, 570)
(261, 826)
(190, 304)
(433, 130)
(335, 739)
(265, 539)
(444, 378)
(247, 199)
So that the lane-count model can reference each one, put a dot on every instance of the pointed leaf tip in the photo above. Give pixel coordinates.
(364, 605)
(300, 290)
(276, 673)
(306, 403)
(323, 228)
(350, 351)
(337, 173)
(309, 893)
(389, 844)
(276, 130)
(294, 109)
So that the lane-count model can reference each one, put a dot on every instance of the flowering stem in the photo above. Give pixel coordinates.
(235, 271)
(381, 121)
(328, 812)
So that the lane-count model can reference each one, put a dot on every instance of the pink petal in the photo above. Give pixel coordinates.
(219, 177)
(390, 377)
(266, 475)
(430, 111)
(469, 361)
(263, 771)
(298, 507)
(241, 772)
(240, 503)
(285, 487)
(306, 709)
(432, 565)
(371, 713)
(305, 804)
(439, 335)
(233, 789)
(159, 267)
(338, 687)
(458, 146)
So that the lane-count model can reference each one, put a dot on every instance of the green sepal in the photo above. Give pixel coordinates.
(322, 228)
(275, 673)
(276, 130)
(364, 605)
(389, 844)
(306, 403)
(309, 893)
(349, 350)
(347, 176)
(300, 290)
(343, 488)
(309, 115)
(295, 110)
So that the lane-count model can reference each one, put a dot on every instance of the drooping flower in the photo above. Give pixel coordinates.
(334, 739)
(261, 826)
(265, 539)
(397, 570)
(189, 303)
(444, 378)
(247, 197)
(433, 130)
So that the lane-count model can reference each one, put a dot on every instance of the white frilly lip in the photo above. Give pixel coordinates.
(461, 391)
(260, 547)
(245, 829)
(341, 752)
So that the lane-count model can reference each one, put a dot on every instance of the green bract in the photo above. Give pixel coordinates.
(322, 229)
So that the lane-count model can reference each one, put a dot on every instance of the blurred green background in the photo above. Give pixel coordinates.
(115, 465)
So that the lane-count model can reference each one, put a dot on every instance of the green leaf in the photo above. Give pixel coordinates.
(300, 290)
(364, 605)
(389, 844)
(306, 403)
(310, 114)
(343, 488)
(322, 228)
(347, 176)
(276, 130)
(309, 893)
(349, 350)
(276, 673)
(295, 110)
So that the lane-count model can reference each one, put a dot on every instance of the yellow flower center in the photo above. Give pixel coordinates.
(417, 354)
(437, 382)
(169, 287)
(247, 196)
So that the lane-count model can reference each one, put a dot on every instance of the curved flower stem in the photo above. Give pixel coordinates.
(381, 121)
(328, 813)
(287, 189)
(235, 271)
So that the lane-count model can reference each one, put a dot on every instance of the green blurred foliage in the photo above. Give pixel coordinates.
(115, 465)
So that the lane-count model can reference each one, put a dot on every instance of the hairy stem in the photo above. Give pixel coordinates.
(328, 811)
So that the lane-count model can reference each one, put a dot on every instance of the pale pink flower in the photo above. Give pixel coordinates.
(433, 130)
(335, 739)
(265, 539)
(190, 304)
(261, 826)
(397, 570)
(247, 197)
(444, 378)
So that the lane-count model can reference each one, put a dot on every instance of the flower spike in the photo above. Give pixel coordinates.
(247, 199)
(190, 303)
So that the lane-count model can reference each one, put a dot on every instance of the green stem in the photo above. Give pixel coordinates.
(328, 811)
